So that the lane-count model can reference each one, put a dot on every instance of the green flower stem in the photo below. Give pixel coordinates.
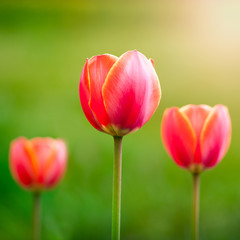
(116, 200)
(36, 215)
(195, 206)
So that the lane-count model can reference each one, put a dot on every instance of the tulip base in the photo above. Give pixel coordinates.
(116, 198)
(195, 206)
(36, 215)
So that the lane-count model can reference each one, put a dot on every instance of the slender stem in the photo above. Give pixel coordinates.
(36, 215)
(195, 206)
(116, 199)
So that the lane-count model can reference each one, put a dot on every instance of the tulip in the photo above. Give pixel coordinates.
(36, 165)
(197, 138)
(118, 96)
(39, 163)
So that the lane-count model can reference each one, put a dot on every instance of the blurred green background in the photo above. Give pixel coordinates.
(43, 47)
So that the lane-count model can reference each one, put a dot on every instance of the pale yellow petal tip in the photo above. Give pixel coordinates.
(203, 106)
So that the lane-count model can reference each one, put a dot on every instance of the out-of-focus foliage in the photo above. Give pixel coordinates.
(43, 47)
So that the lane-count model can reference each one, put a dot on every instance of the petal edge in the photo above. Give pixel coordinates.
(215, 136)
(178, 137)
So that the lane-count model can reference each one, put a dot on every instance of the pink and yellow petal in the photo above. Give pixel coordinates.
(20, 164)
(197, 115)
(127, 89)
(98, 68)
(153, 99)
(178, 137)
(84, 92)
(55, 168)
(216, 136)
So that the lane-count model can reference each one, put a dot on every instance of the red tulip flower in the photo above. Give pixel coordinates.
(197, 138)
(118, 96)
(36, 165)
(39, 163)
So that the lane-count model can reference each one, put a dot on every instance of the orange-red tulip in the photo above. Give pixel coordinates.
(119, 95)
(196, 137)
(38, 163)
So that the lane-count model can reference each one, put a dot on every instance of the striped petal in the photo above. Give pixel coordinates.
(216, 136)
(131, 92)
(178, 137)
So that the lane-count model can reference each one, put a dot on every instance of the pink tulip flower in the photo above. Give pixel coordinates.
(119, 95)
(39, 163)
(196, 137)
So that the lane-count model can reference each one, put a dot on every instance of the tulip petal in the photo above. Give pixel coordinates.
(178, 136)
(154, 96)
(23, 175)
(216, 136)
(84, 92)
(42, 148)
(99, 67)
(131, 92)
(20, 164)
(55, 168)
(197, 116)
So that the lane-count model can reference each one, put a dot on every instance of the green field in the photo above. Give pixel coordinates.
(43, 47)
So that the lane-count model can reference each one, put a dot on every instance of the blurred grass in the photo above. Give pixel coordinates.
(43, 48)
